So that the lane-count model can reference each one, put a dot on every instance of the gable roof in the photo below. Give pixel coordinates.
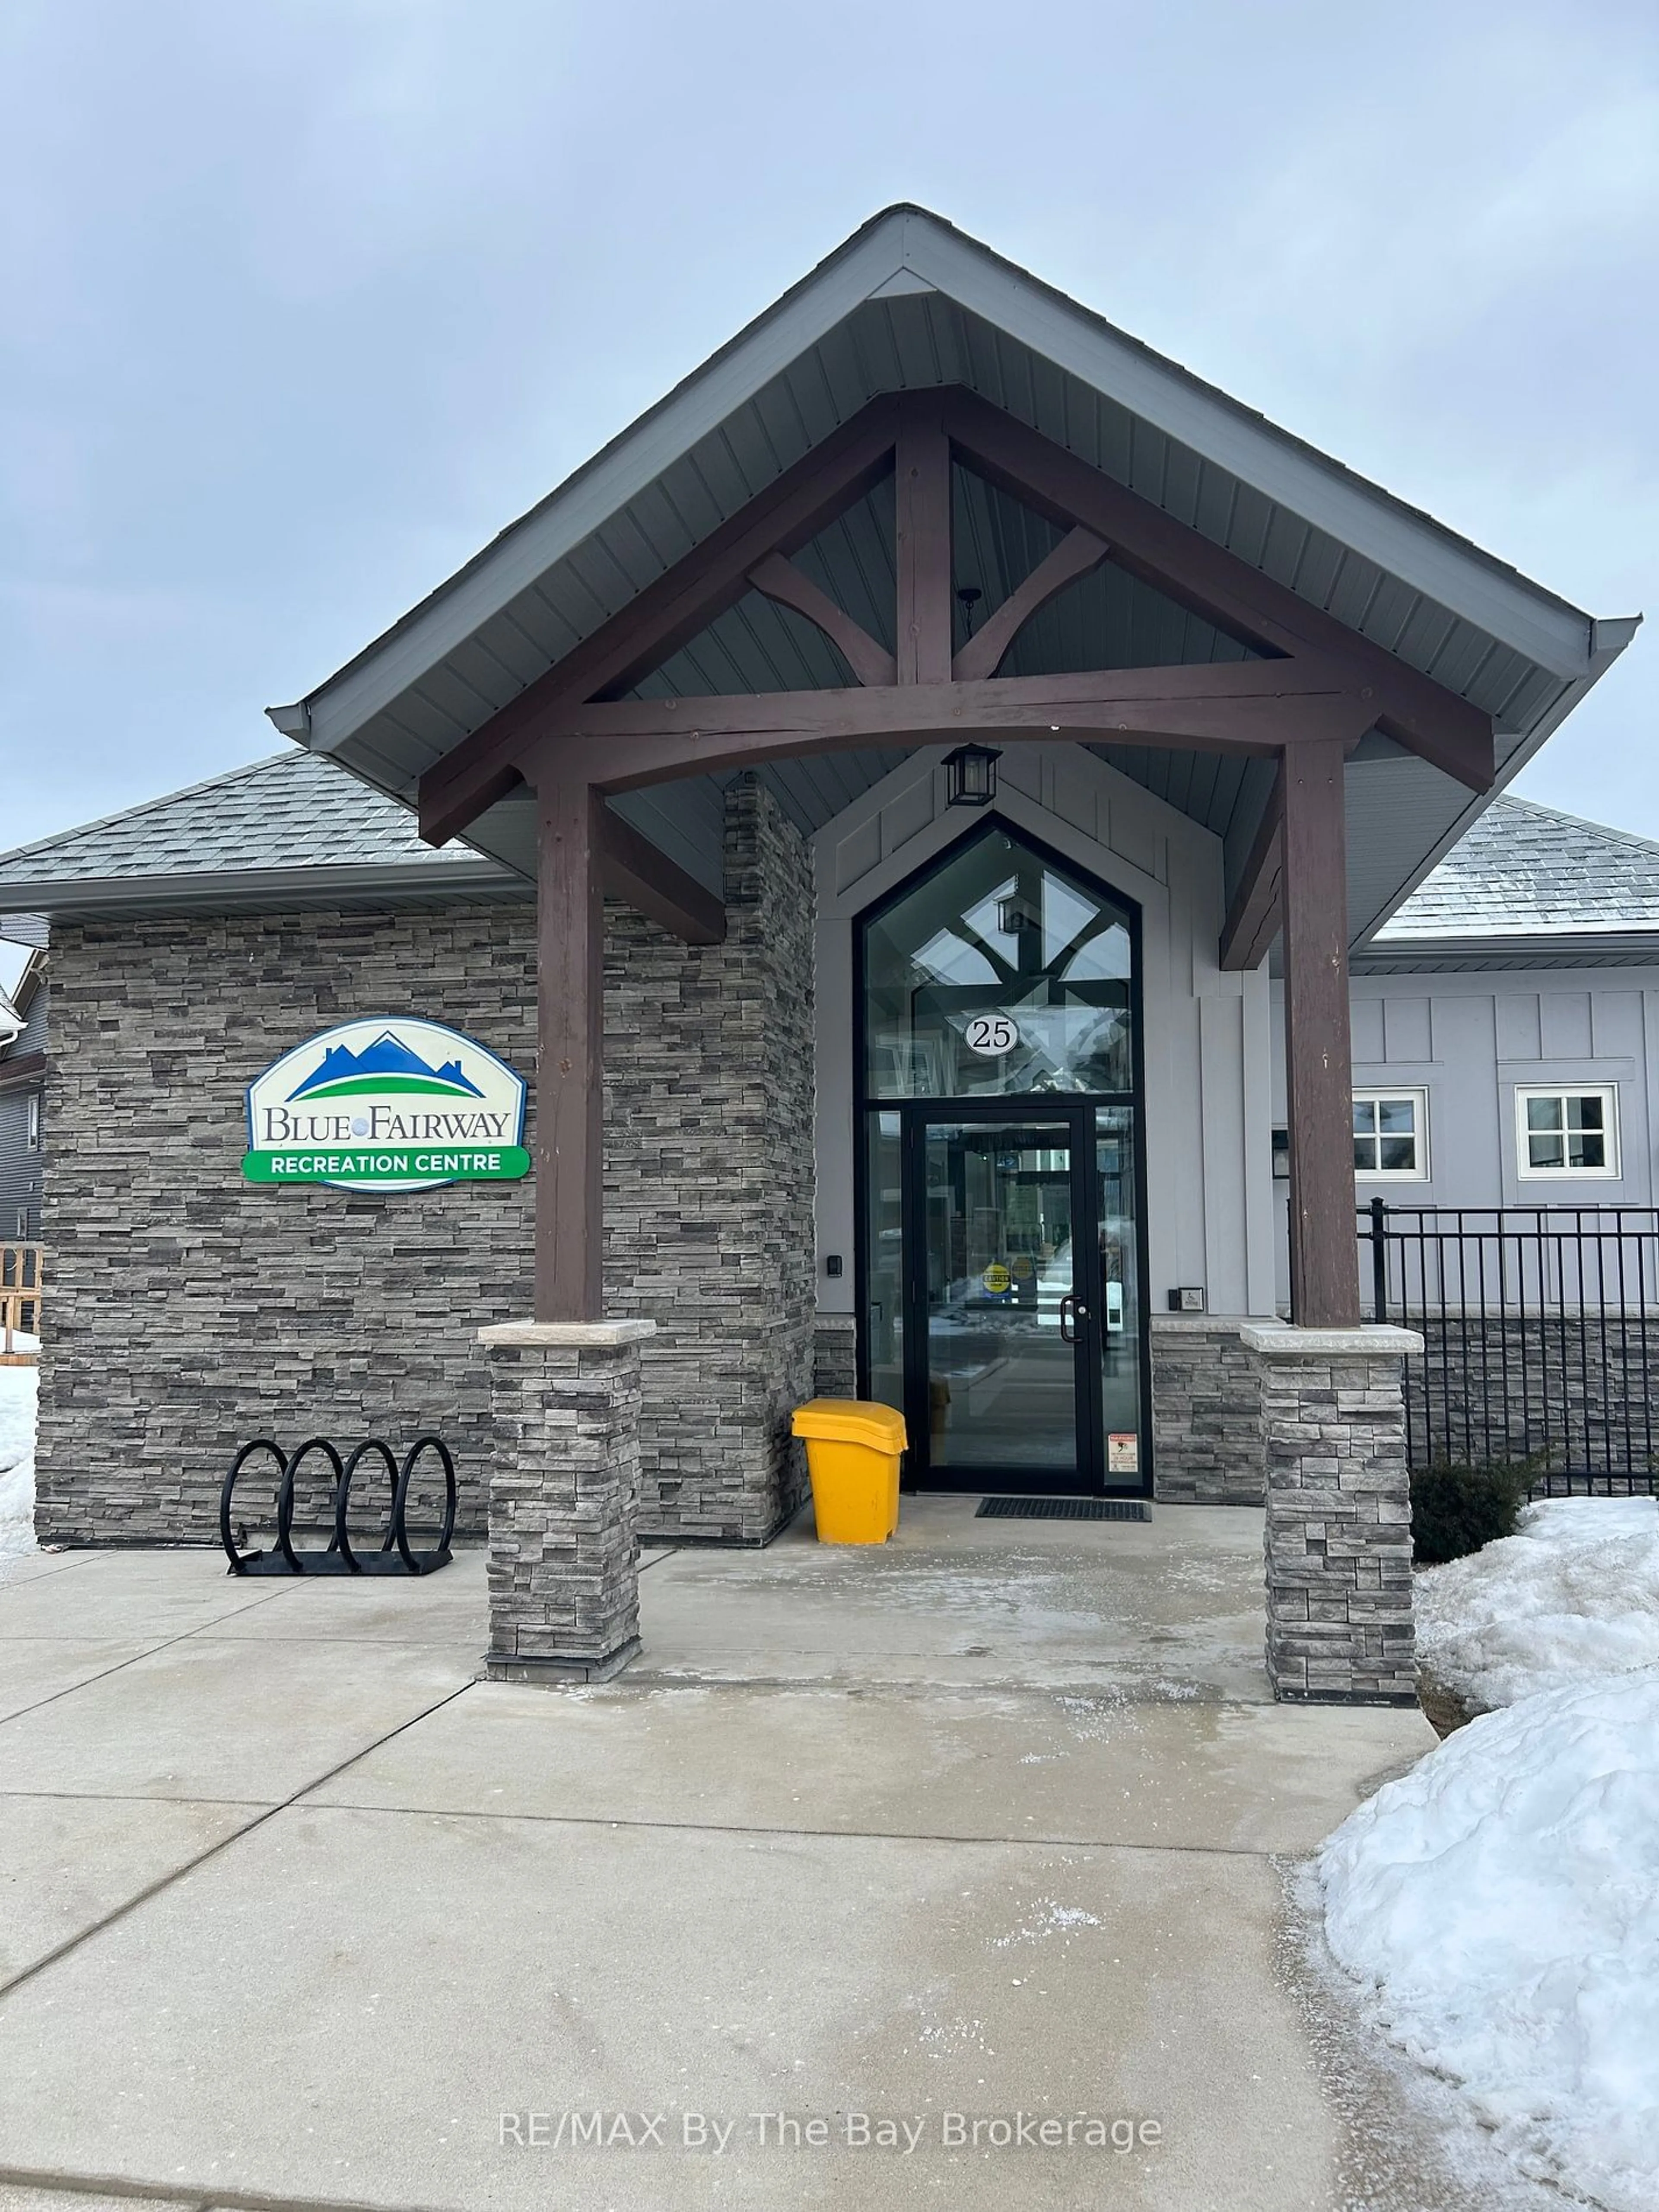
(909, 302)
(291, 830)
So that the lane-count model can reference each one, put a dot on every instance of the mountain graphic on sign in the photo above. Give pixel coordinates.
(388, 1063)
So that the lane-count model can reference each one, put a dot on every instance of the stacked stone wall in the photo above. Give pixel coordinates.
(1207, 1413)
(835, 1357)
(193, 1310)
(1575, 1392)
(709, 1205)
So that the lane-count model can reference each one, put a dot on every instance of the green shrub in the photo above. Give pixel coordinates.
(1456, 1510)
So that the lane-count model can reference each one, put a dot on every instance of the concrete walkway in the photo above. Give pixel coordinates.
(295, 1910)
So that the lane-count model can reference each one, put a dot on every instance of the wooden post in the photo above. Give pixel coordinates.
(922, 489)
(570, 1051)
(1318, 1052)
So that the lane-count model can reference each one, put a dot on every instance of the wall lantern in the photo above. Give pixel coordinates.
(971, 775)
(1281, 1155)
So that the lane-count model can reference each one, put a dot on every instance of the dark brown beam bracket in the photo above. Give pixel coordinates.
(780, 580)
(633, 871)
(1074, 557)
(1252, 920)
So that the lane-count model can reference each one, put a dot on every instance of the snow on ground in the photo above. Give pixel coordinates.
(1501, 1903)
(17, 1397)
(1574, 1593)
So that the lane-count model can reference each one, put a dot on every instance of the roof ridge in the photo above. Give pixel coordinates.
(1579, 821)
(148, 806)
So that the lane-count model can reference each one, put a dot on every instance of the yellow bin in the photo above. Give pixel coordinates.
(853, 1452)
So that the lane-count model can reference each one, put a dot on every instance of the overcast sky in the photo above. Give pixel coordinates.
(305, 299)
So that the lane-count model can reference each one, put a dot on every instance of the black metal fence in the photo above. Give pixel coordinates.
(1541, 1328)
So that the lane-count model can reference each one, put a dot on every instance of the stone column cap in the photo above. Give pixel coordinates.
(583, 1335)
(1284, 1340)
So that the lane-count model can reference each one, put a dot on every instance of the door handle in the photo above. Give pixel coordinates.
(1072, 1309)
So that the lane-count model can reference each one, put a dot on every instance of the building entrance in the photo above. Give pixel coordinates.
(1001, 1264)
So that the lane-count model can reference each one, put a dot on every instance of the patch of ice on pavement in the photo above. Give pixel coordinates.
(1501, 1904)
(18, 1389)
(1574, 1593)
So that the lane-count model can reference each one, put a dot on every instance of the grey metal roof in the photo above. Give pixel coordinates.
(908, 303)
(292, 829)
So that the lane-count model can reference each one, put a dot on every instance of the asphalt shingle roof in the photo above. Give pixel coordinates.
(1527, 871)
(296, 809)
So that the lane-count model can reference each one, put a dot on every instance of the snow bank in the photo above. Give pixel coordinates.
(17, 1398)
(1575, 1593)
(1501, 1900)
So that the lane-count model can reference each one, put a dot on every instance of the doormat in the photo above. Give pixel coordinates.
(1063, 1509)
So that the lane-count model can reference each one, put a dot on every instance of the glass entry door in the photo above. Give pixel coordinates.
(1001, 1320)
(1020, 1335)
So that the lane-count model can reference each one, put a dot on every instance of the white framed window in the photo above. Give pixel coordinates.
(1391, 1135)
(1561, 1132)
(32, 1115)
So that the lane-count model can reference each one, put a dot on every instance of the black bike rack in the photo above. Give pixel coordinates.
(394, 1554)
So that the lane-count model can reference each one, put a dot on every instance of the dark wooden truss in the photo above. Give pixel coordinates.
(1315, 689)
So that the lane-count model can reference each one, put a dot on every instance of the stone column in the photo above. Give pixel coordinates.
(564, 1550)
(1338, 1538)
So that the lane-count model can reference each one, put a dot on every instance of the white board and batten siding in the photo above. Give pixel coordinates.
(1207, 1110)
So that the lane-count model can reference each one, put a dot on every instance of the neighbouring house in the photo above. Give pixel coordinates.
(881, 805)
(23, 1081)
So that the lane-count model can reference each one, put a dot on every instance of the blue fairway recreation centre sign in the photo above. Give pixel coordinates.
(386, 1103)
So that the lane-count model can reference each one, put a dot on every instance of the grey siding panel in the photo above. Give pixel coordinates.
(1367, 1030)
(1406, 1029)
(1564, 1025)
(32, 1037)
(1519, 1030)
(20, 1167)
(1470, 1039)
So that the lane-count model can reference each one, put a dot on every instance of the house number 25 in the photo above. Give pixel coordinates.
(992, 1034)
